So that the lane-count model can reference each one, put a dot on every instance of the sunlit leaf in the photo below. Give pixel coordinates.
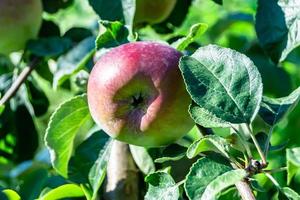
(225, 85)
(142, 159)
(65, 123)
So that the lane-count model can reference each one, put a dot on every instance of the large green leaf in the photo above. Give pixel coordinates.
(293, 162)
(225, 84)
(66, 122)
(209, 143)
(277, 26)
(273, 110)
(142, 159)
(64, 191)
(202, 174)
(161, 186)
(76, 59)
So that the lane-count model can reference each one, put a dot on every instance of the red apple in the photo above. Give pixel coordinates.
(136, 94)
(20, 20)
(153, 11)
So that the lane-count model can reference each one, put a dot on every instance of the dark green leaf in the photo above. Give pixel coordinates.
(273, 110)
(49, 29)
(76, 59)
(277, 25)
(77, 34)
(293, 162)
(220, 2)
(161, 186)
(172, 152)
(54, 5)
(117, 10)
(70, 118)
(142, 159)
(224, 83)
(37, 98)
(49, 47)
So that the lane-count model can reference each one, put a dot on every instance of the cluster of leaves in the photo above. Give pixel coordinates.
(233, 104)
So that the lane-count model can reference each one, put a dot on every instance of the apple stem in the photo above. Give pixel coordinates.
(19, 81)
(245, 190)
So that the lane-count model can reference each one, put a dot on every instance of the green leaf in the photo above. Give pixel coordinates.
(293, 162)
(64, 191)
(289, 193)
(117, 10)
(49, 47)
(209, 176)
(76, 59)
(277, 26)
(11, 195)
(273, 110)
(224, 83)
(204, 171)
(195, 32)
(88, 165)
(111, 34)
(222, 182)
(172, 152)
(161, 186)
(209, 143)
(142, 159)
(70, 118)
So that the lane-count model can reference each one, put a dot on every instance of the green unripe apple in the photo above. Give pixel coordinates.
(136, 94)
(20, 20)
(153, 11)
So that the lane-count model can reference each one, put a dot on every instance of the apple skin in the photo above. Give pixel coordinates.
(153, 11)
(20, 20)
(136, 94)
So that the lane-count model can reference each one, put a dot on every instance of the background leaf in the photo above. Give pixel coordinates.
(277, 27)
(142, 159)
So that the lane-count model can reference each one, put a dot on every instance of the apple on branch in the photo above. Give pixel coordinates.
(20, 20)
(136, 94)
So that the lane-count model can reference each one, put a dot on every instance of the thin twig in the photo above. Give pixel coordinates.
(19, 81)
(260, 152)
(281, 169)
